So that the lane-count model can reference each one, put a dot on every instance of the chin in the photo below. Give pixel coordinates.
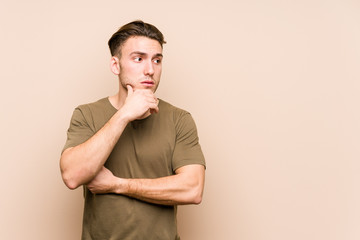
(152, 88)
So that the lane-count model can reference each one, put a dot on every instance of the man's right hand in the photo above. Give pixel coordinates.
(139, 104)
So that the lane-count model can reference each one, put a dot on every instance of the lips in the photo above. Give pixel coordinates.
(147, 83)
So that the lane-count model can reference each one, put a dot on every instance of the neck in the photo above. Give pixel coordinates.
(118, 99)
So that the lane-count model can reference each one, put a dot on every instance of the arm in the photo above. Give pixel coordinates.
(185, 187)
(80, 164)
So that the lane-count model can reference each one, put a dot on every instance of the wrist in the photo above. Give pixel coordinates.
(120, 186)
(123, 117)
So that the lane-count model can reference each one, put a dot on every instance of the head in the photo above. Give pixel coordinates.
(136, 50)
(136, 28)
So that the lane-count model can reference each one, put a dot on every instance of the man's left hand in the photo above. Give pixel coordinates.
(104, 182)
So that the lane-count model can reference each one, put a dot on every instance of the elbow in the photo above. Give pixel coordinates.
(197, 192)
(193, 178)
(196, 196)
(70, 177)
(74, 178)
(69, 181)
(71, 184)
(197, 199)
(69, 174)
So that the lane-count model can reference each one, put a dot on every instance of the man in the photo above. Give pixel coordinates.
(137, 156)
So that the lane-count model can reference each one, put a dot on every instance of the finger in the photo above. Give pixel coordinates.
(151, 98)
(130, 90)
(152, 101)
(154, 109)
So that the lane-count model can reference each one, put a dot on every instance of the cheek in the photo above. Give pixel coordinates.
(128, 72)
(159, 70)
(134, 70)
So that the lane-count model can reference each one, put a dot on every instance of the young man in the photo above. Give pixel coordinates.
(137, 156)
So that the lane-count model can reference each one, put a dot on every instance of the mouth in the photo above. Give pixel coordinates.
(148, 83)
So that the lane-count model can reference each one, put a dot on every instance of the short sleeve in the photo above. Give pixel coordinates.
(79, 130)
(187, 147)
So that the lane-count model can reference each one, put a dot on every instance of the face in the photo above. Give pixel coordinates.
(140, 63)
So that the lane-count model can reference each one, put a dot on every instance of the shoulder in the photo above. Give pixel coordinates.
(95, 114)
(179, 116)
(99, 104)
(171, 109)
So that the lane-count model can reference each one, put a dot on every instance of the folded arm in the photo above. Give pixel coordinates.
(80, 164)
(185, 187)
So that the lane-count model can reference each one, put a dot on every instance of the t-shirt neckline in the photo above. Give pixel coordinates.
(115, 110)
(112, 106)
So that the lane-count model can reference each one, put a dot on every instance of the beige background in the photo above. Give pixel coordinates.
(273, 87)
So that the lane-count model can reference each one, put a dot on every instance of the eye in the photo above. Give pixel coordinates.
(157, 60)
(137, 59)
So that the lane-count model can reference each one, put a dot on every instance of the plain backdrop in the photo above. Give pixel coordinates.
(272, 85)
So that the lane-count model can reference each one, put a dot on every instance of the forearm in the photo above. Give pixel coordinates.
(80, 164)
(158, 191)
(186, 187)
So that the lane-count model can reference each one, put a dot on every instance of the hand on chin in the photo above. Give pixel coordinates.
(145, 115)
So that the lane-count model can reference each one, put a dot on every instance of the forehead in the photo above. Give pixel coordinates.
(141, 44)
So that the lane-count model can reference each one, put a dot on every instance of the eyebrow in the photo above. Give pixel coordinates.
(145, 54)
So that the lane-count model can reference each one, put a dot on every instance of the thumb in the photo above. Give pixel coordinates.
(130, 90)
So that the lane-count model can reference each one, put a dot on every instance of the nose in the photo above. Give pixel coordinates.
(149, 68)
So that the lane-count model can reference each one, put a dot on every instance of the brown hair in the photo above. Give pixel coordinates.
(135, 28)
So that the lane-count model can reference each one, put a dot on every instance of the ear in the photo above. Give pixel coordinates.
(115, 65)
